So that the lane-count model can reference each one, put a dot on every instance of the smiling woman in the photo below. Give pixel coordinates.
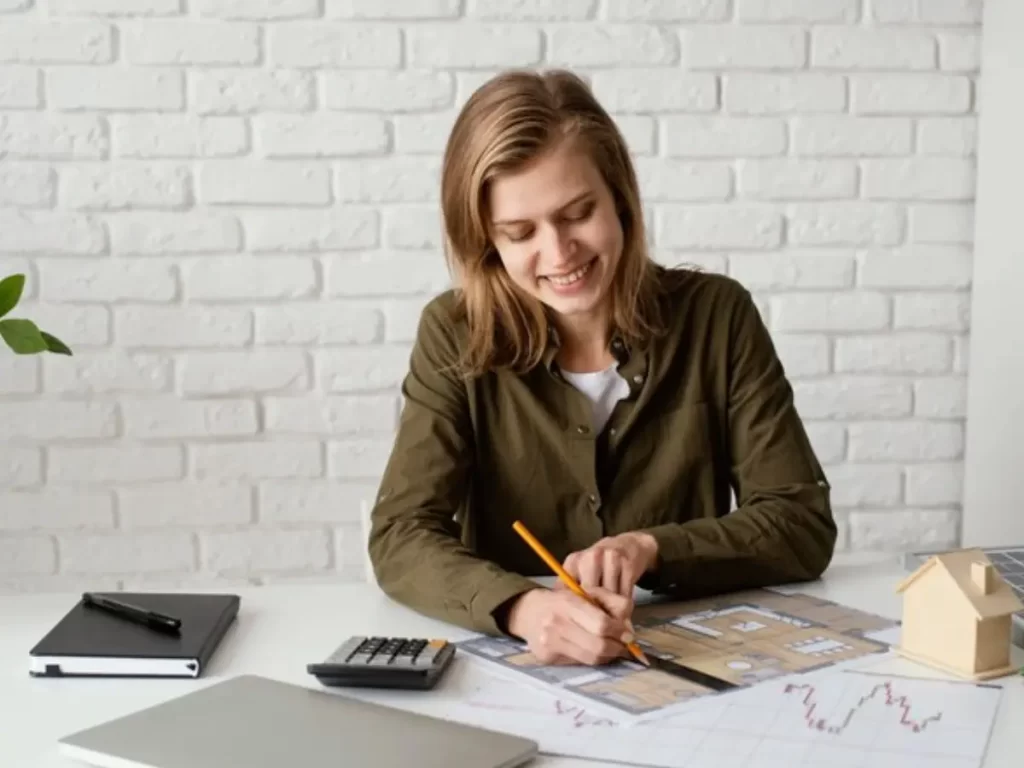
(613, 406)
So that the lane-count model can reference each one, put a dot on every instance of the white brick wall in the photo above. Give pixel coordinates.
(229, 209)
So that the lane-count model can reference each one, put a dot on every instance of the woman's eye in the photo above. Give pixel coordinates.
(518, 237)
(582, 214)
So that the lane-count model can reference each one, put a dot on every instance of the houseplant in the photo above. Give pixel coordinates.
(23, 336)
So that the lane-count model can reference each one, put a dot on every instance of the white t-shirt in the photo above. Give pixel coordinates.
(604, 388)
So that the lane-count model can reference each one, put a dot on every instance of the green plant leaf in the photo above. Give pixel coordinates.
(22, 336)
(54, 344)
(10, 292)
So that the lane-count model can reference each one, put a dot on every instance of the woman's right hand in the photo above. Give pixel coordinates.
(562, 628)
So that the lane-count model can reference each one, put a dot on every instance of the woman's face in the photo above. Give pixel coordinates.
(557, 232)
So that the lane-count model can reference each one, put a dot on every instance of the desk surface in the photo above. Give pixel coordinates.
(281, 628)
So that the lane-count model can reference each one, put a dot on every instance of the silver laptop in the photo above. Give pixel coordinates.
(254, 722)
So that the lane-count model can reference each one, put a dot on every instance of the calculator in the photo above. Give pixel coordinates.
(385, 662)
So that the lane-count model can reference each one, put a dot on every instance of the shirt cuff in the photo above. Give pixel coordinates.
(673, 552)
(484, 604)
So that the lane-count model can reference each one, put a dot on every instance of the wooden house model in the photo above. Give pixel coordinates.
(957, 614)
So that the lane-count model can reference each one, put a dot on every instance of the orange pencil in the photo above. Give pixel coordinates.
(568, 580)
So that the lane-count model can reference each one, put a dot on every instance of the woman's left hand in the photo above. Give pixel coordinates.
(615, 563)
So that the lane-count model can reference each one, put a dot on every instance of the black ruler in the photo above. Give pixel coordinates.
(688, 673)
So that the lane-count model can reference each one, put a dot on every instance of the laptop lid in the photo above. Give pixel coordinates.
(251, 721)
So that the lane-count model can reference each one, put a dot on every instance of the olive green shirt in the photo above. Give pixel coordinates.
(710, 412)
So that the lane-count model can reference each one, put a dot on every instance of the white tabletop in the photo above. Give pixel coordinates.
(283, 627)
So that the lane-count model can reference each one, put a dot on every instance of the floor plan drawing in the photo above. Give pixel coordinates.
(744, 638)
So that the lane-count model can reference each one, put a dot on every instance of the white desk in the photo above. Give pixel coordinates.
(281, 628)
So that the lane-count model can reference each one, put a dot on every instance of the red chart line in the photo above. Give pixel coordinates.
(900, 703)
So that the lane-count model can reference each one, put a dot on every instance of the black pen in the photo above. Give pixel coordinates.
(134, 613)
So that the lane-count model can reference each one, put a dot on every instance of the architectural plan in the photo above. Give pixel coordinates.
(744, 638)
(849, 718)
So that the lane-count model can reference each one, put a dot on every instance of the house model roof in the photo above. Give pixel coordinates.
(977, 579)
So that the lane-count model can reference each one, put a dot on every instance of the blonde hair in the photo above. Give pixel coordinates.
(506, 123)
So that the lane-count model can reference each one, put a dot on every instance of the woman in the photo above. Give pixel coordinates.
(572, 383)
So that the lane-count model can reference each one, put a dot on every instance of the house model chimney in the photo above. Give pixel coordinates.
(984, 577)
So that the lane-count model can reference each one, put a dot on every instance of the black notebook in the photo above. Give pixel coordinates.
(95, 643)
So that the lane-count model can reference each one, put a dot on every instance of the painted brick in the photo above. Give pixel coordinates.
(852, 136)
(28, 231)
(734, 47)
(845, 223)
(107, 280)
(185, 504)
(56, 510)
(229, 182)
(382, 273)
(831, 311)
(910, 94)
(850, 47)
(331, 415)
(906, 441)
(796, 11)
(182, 326)
(246, 92)
(730, 226)
(92, 373)
(767, 93)
(178, 136)
(792, 269)
(312, 230)
(122, 188)
(125, 90)
(947, 136)
(700, 136)
(610, 45)
(318, 322)
(384, 91)
(919, 179)
(229, 372)
(190, 42)
(865, 485)
(919, 266)
(941, 397)
(166, 418)
(941, 223)
(392, 9)
(328, 501)
(20, 88)
(797, 179)
(894, 353)
(266, 550)
(257, 10)
(46, 420)
(648, 90)
(27, 186)
(254, 460)
(170, 233)
(332, 44)
(56, 42)
(364, 369)
(115, 463)
(902, 531)
(20, 466)
(125, 552)
(932, 311)
(474, 45)
(854, 397)
(227, 278)
(320, 135)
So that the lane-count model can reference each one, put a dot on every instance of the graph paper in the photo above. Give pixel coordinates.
(852, 719)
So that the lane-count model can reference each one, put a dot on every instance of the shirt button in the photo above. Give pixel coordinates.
(593, 500)
(612, 431)
(582, 429)
(638, 378)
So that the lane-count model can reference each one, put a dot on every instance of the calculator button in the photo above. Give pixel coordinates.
(346, 650)
(429, 653)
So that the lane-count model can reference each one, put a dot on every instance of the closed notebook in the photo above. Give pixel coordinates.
(91, 642)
